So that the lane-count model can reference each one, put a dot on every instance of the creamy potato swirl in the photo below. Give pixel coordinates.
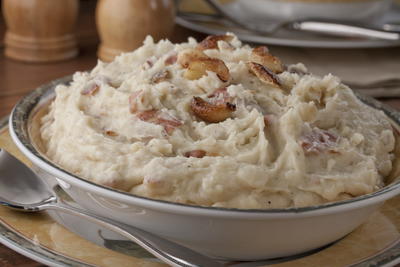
(217, 124)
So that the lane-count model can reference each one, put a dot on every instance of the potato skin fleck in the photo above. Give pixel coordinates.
(196, 154)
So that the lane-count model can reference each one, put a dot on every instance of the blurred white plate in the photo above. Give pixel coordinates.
(286, 37)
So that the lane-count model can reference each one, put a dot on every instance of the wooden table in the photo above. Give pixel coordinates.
(17, 79)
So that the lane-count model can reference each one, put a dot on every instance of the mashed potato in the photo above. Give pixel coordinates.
(219, 124)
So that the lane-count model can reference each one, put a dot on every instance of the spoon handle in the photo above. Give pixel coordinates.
(167, 251)
(338, 29)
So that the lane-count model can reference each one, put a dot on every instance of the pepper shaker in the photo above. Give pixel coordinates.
(40, 30)
(123, 24)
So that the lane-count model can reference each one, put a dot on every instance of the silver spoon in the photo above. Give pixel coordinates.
(310, 25)
(22, 190)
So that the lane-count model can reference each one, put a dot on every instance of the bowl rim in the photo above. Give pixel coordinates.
(20, 135)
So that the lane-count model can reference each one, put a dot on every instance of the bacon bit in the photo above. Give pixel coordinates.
(211, 42)
(111, 133)
(91, 90)
(171, 59)
(211, 112)
(169, 128)
(147, 64)
(160, 76)
(172, 122)
(169, 124)
(264, 74)
(147, 115)
(132, 101)
(319, 141)
(154, 116)
(196, 154)
(262, 56)
(268, 119)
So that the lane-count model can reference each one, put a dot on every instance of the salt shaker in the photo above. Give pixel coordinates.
(40, 30)
(123, 24)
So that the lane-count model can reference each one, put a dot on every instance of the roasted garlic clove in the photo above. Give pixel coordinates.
(197, 64)
(264, 74)
(188, 55)
(211, 42)
(211, 112)
(262, 56)
(198, 68)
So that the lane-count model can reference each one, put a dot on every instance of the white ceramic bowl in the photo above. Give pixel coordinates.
(344, 10)
(219, 232)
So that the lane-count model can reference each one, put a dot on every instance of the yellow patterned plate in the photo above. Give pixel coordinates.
(38, 236)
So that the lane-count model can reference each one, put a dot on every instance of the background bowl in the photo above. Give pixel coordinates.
(343, 10)
(219, 232)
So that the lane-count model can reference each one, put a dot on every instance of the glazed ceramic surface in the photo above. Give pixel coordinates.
(222, 233)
